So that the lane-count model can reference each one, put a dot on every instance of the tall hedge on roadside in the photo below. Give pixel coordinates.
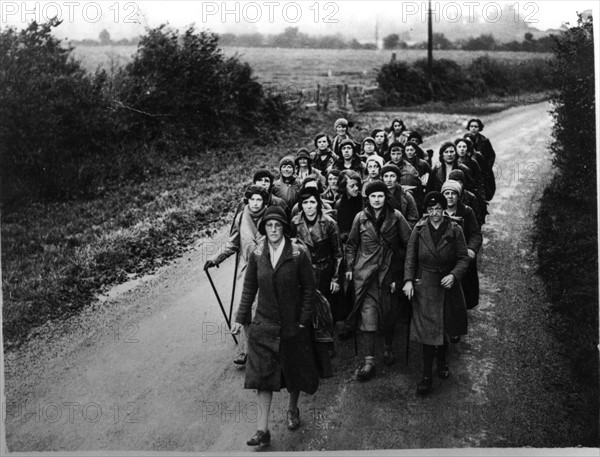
(567, 225)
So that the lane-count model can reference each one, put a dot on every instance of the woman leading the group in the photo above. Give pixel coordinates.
(279, 346)
(436, 261)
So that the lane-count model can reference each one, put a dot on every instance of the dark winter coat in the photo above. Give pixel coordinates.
(483, 145)
(287, 190)
(323, 243)
(436, 310)
(324, 163)
(347, 209)
(437, 177)
(406, 204)
(465, 217)
(377, 255)
(279, 351)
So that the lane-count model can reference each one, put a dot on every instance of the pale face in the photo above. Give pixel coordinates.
(369, 148)
(287, 170)
(435, 212)
(332, 182)
(390, 179)
(341, 129)
(377, 200)
(352, 188)
(255, 203)
(347, 152)
(449, 155)
(309, 206)
(452, 198)
(474, 127)
(373, 169)
(396, 155)
(379, 138)
(397, 127)
(303, 163)
(264, 182)
(410, 151)
(274, 230)
(322, 144)
(461, 149)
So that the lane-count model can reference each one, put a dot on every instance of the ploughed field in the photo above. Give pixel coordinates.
(283, 69)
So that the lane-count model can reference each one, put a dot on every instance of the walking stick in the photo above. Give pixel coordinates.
(237, 261)
(408, 331)
(220, 304)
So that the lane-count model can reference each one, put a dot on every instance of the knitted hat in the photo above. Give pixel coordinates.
(345, 142)
(457, 175)
(369, 139)
(308, 192)
(415, 136)
(340, 121)
(276, 213)
(435, 197)
(287, 160)
(376, 186)
(256, 190)
(393, 168)
(376, 158)
(396, 144)
(376, 131)
(454, 186)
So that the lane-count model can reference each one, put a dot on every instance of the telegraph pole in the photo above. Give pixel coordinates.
(430, 50)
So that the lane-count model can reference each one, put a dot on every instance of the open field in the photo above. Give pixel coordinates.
(289, 69)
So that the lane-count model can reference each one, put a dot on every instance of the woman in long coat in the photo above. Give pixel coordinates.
(483, 145)
(244, 236)
(279, 346)
(448, 161)
(465, 217)
(436, 261)
(321, 236)
(374, 252)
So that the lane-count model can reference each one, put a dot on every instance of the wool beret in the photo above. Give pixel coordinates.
(396, 144)
(393, 168)
(256, 190)
(375, 158)
(345, 142)
(368, 139)
(435, 197)
(261, 174)
(287, 160)
(457, 175)
(415, 136)
(376, 186)
(453, 186)
(340, 121)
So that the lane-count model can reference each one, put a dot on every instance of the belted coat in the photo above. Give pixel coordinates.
(279, 351)
(436, 310)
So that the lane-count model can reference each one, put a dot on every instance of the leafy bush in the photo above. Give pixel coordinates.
(566, 222)
(404, 84)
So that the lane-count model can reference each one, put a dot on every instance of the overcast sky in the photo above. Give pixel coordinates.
(125, 19)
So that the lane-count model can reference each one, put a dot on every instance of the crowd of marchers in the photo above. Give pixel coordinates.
(357, 239)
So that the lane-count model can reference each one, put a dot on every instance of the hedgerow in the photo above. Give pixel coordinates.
(566, 222)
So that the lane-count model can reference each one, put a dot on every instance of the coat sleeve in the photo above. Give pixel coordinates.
(490, 154)
(336, 249)
(233, 243)
(431, 180)
(410, 263)
(412, 213)
(472, 230)
(352, 243)
(308, 285)
(462, 256)
(244, 313)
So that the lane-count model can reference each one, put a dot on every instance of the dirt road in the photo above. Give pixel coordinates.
(150, 368)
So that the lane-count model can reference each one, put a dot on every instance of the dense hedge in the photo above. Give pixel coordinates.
(67, 133)
(401, 83)
(567, 225)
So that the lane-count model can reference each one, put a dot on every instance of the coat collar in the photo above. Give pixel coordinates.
(286, 255)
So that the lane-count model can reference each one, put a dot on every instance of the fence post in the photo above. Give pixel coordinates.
(318, 97)
(345, 95)
(340, 95)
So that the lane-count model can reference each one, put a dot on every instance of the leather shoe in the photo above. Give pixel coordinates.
(260, 438)
(388, 357)
(424, 387)
(366, 372)
(443, 371)
(241, 359)
(455, 339)
(293, 419)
